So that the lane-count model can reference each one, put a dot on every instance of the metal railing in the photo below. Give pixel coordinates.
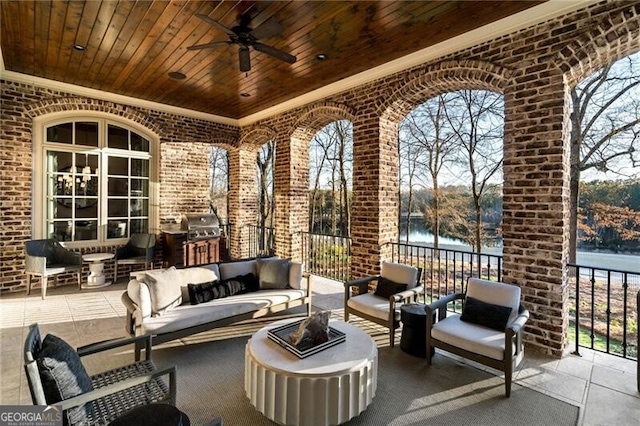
(261, 240)
(327, 255)
(446, 271)
(601, 309)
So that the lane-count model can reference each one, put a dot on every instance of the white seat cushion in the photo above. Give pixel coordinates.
(471, 337)
(370, 304)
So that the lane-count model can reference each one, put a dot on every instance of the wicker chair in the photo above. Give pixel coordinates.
(115, 392)
(139, 250)
(45, 258)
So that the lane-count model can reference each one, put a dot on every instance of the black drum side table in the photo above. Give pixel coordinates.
(414, 329)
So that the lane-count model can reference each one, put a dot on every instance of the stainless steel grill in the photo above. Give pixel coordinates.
(200, 226)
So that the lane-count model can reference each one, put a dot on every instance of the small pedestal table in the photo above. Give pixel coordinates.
(96, 278)
(326, 388)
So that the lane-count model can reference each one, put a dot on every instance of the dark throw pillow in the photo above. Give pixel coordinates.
(63, 376)
(205, 292)
(487, 314)
(273, 273)
(387, 288)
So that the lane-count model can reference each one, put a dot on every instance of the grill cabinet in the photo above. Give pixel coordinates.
(197, 242)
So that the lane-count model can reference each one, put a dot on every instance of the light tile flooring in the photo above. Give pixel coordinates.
(603, 386)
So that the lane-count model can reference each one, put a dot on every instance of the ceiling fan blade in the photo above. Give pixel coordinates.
(267, 29)
(207, 45)
(245, 59)
(215, 23)
(272, 51)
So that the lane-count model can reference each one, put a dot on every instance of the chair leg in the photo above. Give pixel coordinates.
(29, 278)
(115, 271)
(392, 336)
(507, 379)
(79, 280)
(44, 287)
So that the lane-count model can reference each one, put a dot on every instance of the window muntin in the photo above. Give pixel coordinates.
(97, 181)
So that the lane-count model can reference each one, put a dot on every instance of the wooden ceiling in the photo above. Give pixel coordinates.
(132, 46)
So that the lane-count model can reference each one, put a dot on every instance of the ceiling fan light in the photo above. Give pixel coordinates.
(177, 75)
(245, 59)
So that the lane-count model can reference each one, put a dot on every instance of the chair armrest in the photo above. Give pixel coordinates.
(361, 283)
(116, 343)
(120, 386)
(516, 325)
(307, 277)
(441, 303)
(408, 294)
(35, 263)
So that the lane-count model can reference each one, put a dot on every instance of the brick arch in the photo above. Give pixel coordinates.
(257, 136)
(608, 39)
(440, 78)
(314, 117)
(62, 104)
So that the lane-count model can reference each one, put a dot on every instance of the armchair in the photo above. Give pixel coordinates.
(383, 305)
(44, 258)
(488, 331)
(139, 250)
(56, 376)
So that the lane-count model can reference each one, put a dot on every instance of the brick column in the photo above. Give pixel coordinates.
(536, 202)
(243, 198)
(374, 213)
(291, 195)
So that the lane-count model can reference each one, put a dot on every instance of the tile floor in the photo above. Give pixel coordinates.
(603, 386)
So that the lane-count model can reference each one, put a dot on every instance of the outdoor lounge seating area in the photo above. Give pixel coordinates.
(592, 382)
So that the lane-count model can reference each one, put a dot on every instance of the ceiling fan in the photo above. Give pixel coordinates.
(246, 37)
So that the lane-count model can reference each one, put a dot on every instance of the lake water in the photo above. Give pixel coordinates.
(621, 262)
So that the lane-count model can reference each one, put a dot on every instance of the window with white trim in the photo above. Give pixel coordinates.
(96, 178)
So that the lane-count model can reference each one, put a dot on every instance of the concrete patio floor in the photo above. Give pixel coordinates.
(603, 386)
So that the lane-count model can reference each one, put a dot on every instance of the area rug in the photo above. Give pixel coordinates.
(211, 384)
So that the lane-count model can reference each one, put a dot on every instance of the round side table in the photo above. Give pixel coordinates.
(414, 329)
(96, 278)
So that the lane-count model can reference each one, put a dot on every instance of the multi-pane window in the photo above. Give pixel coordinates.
(97, 178)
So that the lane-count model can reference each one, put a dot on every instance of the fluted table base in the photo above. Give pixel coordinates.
(327, 388)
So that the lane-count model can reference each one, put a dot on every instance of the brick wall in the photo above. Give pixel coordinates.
(183, 177)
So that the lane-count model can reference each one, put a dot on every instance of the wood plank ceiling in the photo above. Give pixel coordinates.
(132, 46)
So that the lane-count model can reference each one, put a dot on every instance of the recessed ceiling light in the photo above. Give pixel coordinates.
(177, 75)
(79, 47)
(245, 94)
(321, 57)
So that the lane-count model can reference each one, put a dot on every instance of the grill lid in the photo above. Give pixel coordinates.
(200, 226)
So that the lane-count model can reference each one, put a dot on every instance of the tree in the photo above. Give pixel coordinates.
(428, 148)
(219, 172)
(265, 160)
(605, 129)
(477, 119)
(330, 169)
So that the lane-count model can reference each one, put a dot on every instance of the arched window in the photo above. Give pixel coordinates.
(93, 180)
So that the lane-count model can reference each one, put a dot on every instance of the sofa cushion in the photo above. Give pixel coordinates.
(165, 291)
(234, 269)
(63, 376)
(486, 314)
(273, 273)
(186, 316)
(387, 288)
(197, 275)
(295, 274)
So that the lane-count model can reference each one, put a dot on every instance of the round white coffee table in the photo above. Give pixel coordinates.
(327, 388)
(96, 278)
